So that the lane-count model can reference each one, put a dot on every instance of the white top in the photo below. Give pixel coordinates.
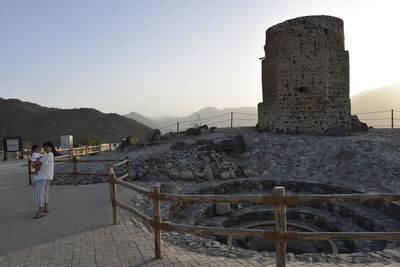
(47, 169)
(36, 156)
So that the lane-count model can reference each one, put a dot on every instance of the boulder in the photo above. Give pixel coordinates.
(197, 130)
(198, 174)
(128, 141)
(225, 175)
(222, 208)
(236, 145)
(208, 173)
(171, 188)
(216, 170)
(239, 171)
(186, 175)
(174, 174)
(232, 174)
(248, 172)
(357, 125)
(153, 135)
(345, 154)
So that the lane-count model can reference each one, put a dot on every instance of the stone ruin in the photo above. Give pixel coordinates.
(305, 78)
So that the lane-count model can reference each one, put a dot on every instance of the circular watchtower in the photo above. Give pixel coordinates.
(305, 77)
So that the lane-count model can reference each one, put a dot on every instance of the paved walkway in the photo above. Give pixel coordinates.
(78, 231)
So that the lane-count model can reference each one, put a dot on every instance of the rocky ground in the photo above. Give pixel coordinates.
(366, 162)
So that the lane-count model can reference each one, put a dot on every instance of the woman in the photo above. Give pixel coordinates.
(43, 179)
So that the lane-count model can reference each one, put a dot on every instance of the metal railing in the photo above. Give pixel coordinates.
(220, 120)
(379, 119)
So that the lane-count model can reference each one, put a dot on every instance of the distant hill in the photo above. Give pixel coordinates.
(381, 99)
(38, 124)
(143, 120)
(243, 116)
(377, 99)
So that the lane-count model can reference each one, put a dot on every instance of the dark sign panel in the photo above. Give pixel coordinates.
(12, 143)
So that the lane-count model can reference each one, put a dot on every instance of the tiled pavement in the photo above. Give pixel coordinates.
(78, 231)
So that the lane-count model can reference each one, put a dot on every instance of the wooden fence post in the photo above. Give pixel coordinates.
(110, 146)
(128, 170)
(71, 152)
(157, 221)
(75, 167)
(87, 150)
(177, 127)
(231, 119)
(113, 188)
(280, 227)
(30, 171)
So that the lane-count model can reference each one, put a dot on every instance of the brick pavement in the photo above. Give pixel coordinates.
(78, 231)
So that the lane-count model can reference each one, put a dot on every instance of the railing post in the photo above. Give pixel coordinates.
(231, 119)
(280, 227)
(113, 188)
(71, 152)
(75, 167)
(87, 150)
(157, 221)
(110, 146)
(392, 118)
(129, 178)
(177, 127)
(30, 171)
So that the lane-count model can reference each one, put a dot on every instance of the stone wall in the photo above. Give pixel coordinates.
(305, 78)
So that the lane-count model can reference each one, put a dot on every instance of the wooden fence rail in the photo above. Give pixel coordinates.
(278, 199)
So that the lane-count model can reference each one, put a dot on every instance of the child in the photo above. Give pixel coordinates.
(36, 159)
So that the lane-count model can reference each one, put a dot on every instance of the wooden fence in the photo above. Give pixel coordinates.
(75, 161)
(278, 199)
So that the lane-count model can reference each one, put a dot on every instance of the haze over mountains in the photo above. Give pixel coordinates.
(38, 124)
(243, 116)
(384, 98)
(381, 99)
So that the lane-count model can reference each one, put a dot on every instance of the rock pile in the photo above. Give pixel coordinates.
(202, 160)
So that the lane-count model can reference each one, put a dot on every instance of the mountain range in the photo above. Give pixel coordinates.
(242, 116)
(38, 124)
(381, 99)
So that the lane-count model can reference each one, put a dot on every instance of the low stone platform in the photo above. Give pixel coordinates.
(78, 230)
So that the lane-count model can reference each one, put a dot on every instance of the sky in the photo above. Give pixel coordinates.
(172, 57)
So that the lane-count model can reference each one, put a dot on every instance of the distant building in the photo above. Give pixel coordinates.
(305, 78)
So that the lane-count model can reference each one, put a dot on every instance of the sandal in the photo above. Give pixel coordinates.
(37, 216)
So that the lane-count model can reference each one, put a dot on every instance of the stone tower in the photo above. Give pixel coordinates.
(305, 78)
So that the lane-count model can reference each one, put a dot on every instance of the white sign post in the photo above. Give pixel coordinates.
(12, 145)
(66, 141)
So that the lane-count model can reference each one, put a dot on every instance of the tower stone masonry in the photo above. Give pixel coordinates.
(305, 78)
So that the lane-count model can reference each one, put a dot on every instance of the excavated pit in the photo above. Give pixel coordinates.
(339, 217)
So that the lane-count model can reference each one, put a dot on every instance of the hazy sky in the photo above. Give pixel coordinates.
(172, 57)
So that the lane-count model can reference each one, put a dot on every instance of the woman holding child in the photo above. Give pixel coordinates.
(45, 172)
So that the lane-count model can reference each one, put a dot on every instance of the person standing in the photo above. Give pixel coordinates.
(43, 178)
